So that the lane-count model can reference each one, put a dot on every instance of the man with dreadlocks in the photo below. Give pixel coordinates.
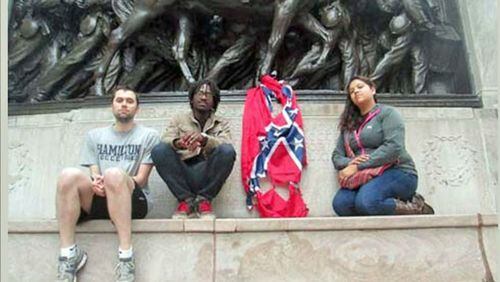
(195, 156)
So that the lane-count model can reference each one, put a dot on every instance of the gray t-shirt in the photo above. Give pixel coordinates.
(107, 148)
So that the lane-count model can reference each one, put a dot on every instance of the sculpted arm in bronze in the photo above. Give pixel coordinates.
(239, 39)
(144, 12)
(350, 60)
(182, 45)
(284, 12)
(336, 18)
(399, 49)
(316, 57)
(81, 52)
(419, 12)
(411, 16)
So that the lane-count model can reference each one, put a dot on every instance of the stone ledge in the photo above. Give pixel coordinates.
(435, 137)
(467, 100)
(231, 225)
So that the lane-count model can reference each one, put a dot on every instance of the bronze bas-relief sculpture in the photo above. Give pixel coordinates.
(165, 45)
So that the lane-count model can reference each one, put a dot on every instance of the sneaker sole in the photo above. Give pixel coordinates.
(81, 265)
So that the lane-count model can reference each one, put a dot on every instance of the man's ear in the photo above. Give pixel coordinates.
(137, 111)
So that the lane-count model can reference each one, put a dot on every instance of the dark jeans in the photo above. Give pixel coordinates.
(188, 179)
(377, 196)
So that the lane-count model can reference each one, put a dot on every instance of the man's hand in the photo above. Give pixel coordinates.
(98, 185)
(359, 159)
(180, 144)
(348, 171)
(191, 141)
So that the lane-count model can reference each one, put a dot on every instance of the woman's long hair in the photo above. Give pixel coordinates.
(351, 117)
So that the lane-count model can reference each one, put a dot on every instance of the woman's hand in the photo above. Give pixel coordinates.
(348, 171)
(359, 159)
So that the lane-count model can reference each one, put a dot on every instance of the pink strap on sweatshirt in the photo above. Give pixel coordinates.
(358, 131)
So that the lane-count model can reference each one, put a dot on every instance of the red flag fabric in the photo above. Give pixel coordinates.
(273, 147)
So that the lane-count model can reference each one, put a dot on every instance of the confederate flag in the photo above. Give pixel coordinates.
(273, 147)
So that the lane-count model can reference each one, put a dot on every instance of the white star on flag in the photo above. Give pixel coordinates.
(264, 143)
(298, 143)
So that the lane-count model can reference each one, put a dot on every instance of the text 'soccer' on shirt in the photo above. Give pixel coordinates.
(109, 152)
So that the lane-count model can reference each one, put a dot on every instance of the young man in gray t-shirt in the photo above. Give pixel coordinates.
(119, 160)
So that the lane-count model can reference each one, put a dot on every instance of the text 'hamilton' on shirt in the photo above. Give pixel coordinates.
(118, 153)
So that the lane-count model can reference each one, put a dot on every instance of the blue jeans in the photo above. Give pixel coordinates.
(188, 179)
(377, 196)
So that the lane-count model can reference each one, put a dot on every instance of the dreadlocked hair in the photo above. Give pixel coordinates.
(213, 87)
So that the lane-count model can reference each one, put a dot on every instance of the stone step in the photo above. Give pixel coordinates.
(413, 248)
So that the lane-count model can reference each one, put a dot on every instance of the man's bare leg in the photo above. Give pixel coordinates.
(74, 191)
(119, 186)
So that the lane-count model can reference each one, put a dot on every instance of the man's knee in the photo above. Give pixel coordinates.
(226, 151)
(115, 179)
(161, 152)
(68, 178)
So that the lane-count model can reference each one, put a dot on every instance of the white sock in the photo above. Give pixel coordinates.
(125, 254)
(69, 251)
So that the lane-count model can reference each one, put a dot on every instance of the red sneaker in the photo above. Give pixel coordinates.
(183, 210)
(205, 209)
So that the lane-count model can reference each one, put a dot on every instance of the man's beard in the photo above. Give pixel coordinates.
(202, 110)
(123, 119)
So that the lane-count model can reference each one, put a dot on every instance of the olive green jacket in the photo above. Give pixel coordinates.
(216, 129)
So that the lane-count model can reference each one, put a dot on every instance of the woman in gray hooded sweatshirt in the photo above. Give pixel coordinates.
(376, 135)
